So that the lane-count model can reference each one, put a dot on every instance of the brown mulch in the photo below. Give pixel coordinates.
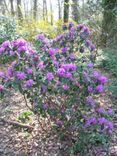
(16, 141)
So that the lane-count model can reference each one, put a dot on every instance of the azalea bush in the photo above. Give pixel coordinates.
(59, 79)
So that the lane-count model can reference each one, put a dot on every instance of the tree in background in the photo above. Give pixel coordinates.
(12, 8)
(66, 11)
(75, 11)
(2, 7)
(59, 9)
(35, 9)
(109, 24)
(19, 12)
(51, 10)
(45, 11)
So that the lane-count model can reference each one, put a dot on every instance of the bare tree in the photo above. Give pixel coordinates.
(35, 9)
(66, 11)
(59, 9)
(6, 6)
(12, 8)
(45, 12)
(75, 11)
(51, 10)
(2, 8)
(19, 12)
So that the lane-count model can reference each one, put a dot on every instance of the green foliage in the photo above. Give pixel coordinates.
(30, 28)
(7, 29)
(25, 116)
(107, 60)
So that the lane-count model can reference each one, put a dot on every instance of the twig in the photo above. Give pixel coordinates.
(27, 104)
(15, 123)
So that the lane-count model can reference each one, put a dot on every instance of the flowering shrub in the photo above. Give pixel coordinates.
(60, 81)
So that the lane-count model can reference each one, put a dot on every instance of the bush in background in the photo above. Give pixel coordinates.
(8, 29)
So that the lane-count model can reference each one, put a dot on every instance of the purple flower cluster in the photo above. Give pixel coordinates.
(20, 75)
(29, 83)
(68, 67)
(105, 124)
(50, 76)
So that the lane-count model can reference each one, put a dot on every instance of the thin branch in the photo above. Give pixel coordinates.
(15, 123)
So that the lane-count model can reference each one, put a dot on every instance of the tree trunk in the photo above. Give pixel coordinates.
(66, 11)
(109, 29)
(2, 7)
(35, 10)
(51, 10)
(59, 10)
(12, 8)
(45, 12)
(75, 11)
(20, 16)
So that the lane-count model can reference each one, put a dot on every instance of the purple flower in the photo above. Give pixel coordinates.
(41, 65)
(2, 49)
(86, 30)
(102, 121)
(50, 76)
(80, 26)
(61, 72)
(90, 101)
(72, 57)
(22, 49)
(59, 123)
(29, 71)
(88, 43)
(41, 37)
(19, 42)
(68, 75)
(103, 79)
(100, 88)
(96, 74)
(56, 63)
(29, 83)
(101, 110)
(12, 53)
(20, 75)
(1, 88)
(90, 65)
(6, 44)
(2, 75)
(58, 83)
(110, 125)
(90, 89)
(64, 50)
(66, 87)
(110, 111)
(70, 25)
(53, 51)
(69, 66)
(92, 47)
(10, 72)
(91, 121)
